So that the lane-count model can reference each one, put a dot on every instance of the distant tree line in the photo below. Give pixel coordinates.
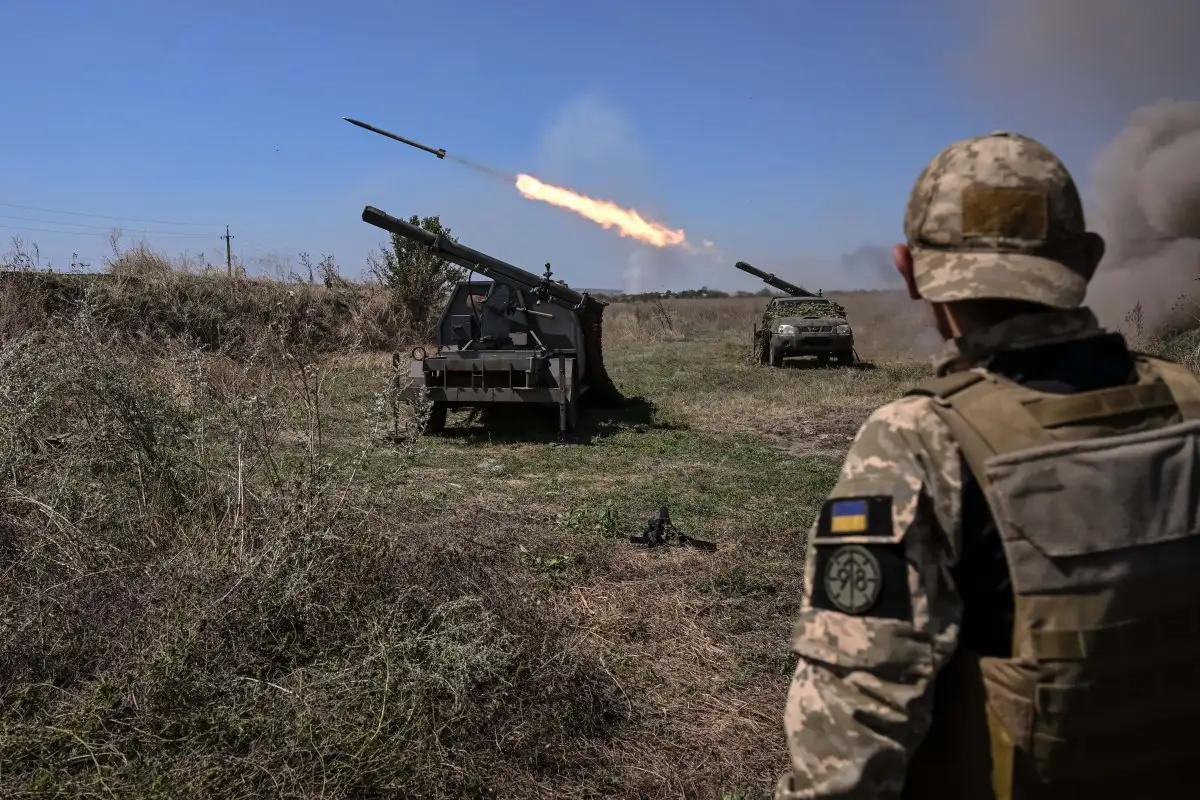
(703, 293)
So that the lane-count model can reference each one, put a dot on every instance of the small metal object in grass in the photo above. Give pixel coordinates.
(660, 532)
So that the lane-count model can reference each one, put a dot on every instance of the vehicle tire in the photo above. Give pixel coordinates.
(776, 355)
(823, 359)
(437, 418)
(573, 414)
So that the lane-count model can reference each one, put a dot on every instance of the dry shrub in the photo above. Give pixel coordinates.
(677, 319)
(642, 323)
(1180, 346)
(700, 316)
(203, 598)
(141, 263)
(144, 292)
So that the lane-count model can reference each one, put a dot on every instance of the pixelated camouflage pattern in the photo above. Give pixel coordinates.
(1013, 259)
(861, 697)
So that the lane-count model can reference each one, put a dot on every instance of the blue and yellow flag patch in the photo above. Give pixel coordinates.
(848, 516)
(861, 518)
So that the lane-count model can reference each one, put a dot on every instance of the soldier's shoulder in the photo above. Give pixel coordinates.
(910, 413)
(904, 435)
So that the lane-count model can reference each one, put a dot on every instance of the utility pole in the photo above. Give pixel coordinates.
(228, 252)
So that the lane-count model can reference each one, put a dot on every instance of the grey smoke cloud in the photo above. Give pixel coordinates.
(1073, 54)
(592, 147)
(591, 143)
(1065, 66)
(872, 267)
(1146, 188)
(648, 269)
(1126, 59)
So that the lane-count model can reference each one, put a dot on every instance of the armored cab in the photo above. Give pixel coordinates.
(518, 338)
(799, 324)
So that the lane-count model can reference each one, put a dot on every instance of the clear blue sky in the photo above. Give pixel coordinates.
(787, 132)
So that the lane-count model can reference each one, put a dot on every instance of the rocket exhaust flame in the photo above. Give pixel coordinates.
(606, 214)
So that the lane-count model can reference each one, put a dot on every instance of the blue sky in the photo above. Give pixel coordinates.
(789, 133)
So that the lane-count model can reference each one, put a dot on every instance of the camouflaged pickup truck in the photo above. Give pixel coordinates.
(804, 326)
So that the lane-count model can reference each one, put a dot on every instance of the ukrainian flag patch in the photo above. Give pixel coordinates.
(848, 516)
(862, 517)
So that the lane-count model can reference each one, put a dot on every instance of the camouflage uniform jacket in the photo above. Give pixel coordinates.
(861, 698)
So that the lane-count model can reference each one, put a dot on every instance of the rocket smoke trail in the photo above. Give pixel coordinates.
(439, 152)
(491, 172)
(605, 213)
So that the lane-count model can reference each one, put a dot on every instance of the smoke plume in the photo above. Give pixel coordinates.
(873, 265)
(1078, 62)
(1146, 204)
(1084, 57)
(648, 269)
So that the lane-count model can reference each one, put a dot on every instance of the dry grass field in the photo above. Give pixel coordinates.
(224, 576)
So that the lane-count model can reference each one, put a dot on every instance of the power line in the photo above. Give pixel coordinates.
(268, 250)
(104, 216)
(102, 227)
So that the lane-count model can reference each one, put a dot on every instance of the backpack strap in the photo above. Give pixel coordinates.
(1183, 384)
(985, 415)
(945, 385)
(989, 415)
(1149, 395)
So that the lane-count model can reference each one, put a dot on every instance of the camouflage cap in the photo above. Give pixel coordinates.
(997, 216)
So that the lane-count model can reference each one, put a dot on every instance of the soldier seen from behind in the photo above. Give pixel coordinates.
(1000, 596)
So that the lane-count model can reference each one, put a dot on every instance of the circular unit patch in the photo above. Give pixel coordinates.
(853, 579)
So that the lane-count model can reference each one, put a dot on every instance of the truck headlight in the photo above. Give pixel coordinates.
(787, 330)
(842, 330)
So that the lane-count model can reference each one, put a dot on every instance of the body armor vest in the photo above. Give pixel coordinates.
(1095, 496)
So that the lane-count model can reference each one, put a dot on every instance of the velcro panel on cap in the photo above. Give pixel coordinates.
(1006, 212)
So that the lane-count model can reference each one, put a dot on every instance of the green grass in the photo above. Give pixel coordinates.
(440, 616)
(221, 578)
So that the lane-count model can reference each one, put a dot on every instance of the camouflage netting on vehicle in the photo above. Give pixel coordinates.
(759, 344)
(802, 309)
(603, 392)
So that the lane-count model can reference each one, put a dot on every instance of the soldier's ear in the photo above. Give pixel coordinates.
(1093, 252)
(902, 257)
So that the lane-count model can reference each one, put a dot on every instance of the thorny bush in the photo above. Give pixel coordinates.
(201, 599)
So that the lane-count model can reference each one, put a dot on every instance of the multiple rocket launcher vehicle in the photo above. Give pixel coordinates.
(519, 338)
(800, 324)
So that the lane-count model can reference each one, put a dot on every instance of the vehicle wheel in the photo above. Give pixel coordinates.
(573, 414)
(846, 358)
(437, 418)
(776, 355)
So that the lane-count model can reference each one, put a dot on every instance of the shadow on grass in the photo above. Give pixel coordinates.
(814, 364)
(539, 424)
